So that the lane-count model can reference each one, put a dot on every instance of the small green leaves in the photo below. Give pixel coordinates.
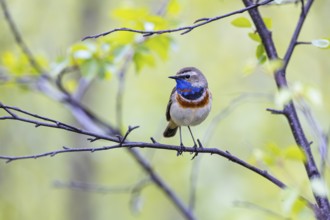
(18, 63)
(241, 22)
(273, 154)
(321, 43)
(268, 22)
(173, 7)
(293, 152)
(255, 36)
(260, 54)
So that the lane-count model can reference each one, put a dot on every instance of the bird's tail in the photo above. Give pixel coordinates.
(170, 130)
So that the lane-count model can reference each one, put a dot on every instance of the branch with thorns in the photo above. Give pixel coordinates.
(119, 143)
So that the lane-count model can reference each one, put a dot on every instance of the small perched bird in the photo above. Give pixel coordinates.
(190, 102)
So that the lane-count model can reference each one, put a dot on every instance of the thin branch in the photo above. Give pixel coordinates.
(19, 40)
(294, 39)
(89, 120)
(52, 123)
(119, 144)
(211, 151)
(183, 30)
(281, 82)
(88, 187)
(121, 86)
(95, 136)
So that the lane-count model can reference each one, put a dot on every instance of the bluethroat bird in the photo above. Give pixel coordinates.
(190, 102)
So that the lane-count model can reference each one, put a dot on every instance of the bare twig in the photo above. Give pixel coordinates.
(294, 39)
(185, 29)
(89, 120)
(289, 110)
(119, 144)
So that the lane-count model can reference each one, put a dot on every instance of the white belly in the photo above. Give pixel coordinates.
(188, 116)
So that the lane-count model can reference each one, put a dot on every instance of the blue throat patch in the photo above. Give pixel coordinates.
(186, 90)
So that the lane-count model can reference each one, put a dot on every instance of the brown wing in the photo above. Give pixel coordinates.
(168, 116)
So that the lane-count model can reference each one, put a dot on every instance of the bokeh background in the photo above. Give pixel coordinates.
(37, 189)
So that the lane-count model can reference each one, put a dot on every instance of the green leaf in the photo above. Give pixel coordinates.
(173, 7)
(268, 22)
(262, 59)
(160, 45)
(321, 43)
(241, 22)
(142, 59)
(255, 36)
(89, 68)
(260, 51)
(294, 153)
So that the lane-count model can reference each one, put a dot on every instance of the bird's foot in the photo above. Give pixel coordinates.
(196, 149)
(181, 150)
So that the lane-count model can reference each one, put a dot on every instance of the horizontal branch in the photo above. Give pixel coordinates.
(51, 123)
(120, 142)
(212, 151)
(183, 30)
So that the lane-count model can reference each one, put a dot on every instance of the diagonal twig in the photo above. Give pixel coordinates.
(184, 30)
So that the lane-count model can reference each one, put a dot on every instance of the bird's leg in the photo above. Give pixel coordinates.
(181, 144)
(195, 145)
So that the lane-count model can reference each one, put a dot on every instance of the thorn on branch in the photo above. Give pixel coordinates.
(37, 125)
(275, 112)
(182, 148)
(187, 31)
(201, 19)
(153, 140)
(93, 139)
(148, 34)
(199, 144)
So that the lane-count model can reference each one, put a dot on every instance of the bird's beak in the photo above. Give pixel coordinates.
(173, 77)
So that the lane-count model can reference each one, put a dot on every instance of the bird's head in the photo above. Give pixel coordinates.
(190, 77)
(190, 80)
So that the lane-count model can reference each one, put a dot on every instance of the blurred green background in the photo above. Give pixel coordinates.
(29, 188)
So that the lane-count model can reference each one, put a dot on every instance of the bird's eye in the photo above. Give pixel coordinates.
(187, 76)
